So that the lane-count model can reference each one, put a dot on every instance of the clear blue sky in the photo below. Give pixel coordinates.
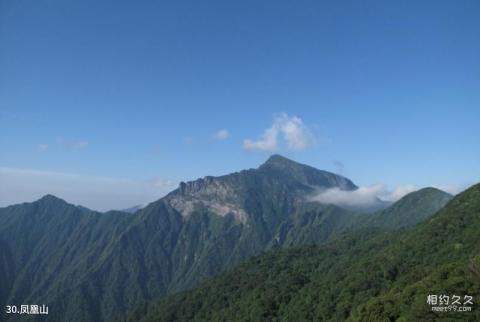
(381, 91)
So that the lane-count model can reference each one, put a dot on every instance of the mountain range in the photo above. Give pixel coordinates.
(91, 266)
(365, 276)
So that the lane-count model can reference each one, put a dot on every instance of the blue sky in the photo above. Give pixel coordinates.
(112, 103)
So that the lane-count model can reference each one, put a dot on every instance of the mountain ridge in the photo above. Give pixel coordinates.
(361, 277)
(182, 238)
(72, 255)
(409, 210)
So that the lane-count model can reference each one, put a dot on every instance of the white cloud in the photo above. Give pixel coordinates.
(294, 132)
(362, 197)
(267, 142)
(72, 145)
(95, 192)
(42, 147)
(162, 182)
(79, 145)
(222, 134)
(399, 192)
(451, 188)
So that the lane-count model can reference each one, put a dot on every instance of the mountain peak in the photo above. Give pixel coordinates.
(49, 197)
(280, 166)
(279, 160)
(412, 208)
(427, 192)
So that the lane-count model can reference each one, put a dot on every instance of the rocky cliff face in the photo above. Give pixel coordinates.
(208, 194)
(281, 179)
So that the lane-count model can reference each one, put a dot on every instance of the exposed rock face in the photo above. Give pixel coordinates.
(209, 193)
(287, 182)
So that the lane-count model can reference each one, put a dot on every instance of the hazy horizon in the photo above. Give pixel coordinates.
(362, 197)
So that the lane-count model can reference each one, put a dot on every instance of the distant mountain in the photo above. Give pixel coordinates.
(365, 276)
(47, 243)
(277, 183)
(89, 265)
(407, 212)
(413, 208)
(133, 209)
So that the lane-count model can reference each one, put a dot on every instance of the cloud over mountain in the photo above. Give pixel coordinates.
(364, 196)
(290, 130)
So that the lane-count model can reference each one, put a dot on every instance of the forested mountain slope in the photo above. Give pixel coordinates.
(366, 276)
(88, 266)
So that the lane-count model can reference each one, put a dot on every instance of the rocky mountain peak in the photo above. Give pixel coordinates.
(51, 199)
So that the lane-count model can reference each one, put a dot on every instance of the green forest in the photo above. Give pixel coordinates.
(366, 276)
